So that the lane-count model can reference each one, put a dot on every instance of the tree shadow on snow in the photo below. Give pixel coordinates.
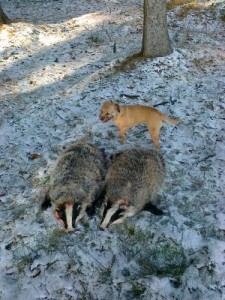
(89, 53)
(53, 12)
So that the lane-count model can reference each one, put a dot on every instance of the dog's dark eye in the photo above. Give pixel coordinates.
(107, 114)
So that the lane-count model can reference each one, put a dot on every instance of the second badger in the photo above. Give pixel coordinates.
(76, 182)
(134, 178)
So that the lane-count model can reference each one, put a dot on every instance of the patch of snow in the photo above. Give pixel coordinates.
(58, 65)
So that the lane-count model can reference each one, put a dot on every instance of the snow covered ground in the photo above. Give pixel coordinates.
(58, 64)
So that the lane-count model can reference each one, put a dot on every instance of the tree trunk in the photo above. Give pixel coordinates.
(3, 18)
(155, 41)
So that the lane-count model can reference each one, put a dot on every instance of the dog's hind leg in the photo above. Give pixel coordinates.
(154, 134)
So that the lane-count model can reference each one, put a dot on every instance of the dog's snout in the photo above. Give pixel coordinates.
(102, 118)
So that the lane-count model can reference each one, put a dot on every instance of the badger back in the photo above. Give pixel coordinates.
(135, 175)
(76, 181)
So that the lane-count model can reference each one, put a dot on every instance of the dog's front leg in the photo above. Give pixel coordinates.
(122, 136)
(122, 139)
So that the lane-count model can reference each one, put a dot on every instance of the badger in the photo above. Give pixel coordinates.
(76, 182)
(133, 179)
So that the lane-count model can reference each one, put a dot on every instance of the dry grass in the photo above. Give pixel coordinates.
(174, 3)
(194, 7)
(186, 6)
(129, 63)
(190, 5)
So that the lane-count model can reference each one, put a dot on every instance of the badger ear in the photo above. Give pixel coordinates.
(117, 107)
(123, 203)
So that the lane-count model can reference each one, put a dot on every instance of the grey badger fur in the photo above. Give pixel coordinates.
(133, 179)
(75, 183)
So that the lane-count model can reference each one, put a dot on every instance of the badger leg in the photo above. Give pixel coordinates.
(90, 210)
(47, 202)
(153, 209)
(82, 212)
(97, 203)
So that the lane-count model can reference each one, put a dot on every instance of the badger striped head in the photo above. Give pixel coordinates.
(114, 213)
(69, 213)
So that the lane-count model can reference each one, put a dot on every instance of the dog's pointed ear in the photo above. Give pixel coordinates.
(117, 107)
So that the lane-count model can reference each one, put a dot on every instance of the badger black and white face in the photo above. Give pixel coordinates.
(111, 215)
(116, 213)
(69, 213)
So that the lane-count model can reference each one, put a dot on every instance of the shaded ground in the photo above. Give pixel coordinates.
(55, 73)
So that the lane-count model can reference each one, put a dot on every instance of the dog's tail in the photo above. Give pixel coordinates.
(169, 120)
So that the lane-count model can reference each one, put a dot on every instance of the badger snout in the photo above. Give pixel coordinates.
(68, 213)
(101, 227)
(69, 217)
(112, 214)
(70, 229)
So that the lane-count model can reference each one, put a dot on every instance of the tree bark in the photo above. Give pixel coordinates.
(3, 18)
(155, 41)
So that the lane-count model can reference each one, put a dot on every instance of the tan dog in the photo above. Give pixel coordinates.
(125, 117)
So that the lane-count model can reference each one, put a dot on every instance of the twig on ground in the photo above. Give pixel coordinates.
(161, 103)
